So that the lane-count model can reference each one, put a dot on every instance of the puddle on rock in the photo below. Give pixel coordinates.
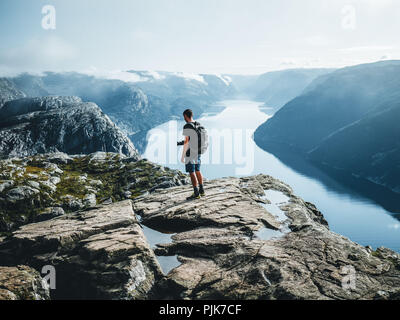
(276, 198)
(268, 234)
(168, 263)
(155, 237)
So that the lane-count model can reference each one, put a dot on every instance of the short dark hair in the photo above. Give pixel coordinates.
(188, 113)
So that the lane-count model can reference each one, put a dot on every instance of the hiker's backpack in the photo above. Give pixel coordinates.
(202, 136)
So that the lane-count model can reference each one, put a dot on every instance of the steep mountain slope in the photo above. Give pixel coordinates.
(180, 90)
(38, 125)
(344, 119)
(139, 102)
(124, 103)
(278, 87)
(9, 91)
(369, 147)
(243, 84)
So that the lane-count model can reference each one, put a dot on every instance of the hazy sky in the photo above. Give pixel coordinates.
(201, 36)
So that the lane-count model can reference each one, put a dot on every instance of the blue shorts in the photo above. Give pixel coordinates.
(193, 166)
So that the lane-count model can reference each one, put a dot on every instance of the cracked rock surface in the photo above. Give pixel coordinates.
(231, 244)
(223, 258)
(97, 254)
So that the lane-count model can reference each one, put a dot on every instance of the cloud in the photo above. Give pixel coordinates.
(366, 48)
(45, 53)
(314, 40)
(376, 3)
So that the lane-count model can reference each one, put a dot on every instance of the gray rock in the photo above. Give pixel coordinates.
(71, 203)
(164, 185)
(30, 126)
(50, 213)
(98, 254)
(223, 256)
(55, 180)
(59, 158)
(230, 244)
(22, 283)
(21, 193)
(52, 168)
(127, 194)
(6, 184)
(107, 201)
(49, 185)
(9, 91)
(90, 200)
(33, 184)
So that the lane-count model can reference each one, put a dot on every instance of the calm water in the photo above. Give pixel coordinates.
(348, 213)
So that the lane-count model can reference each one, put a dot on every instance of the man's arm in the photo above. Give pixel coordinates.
(185, 148)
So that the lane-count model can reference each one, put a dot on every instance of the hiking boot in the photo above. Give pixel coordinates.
(201, 191)
(193, 196)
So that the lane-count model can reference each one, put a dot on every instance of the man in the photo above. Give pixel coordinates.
(191, 156)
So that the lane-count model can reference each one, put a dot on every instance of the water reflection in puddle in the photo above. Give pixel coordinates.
(168, 263)
(268, 234)
(276, 198)
(154, 237)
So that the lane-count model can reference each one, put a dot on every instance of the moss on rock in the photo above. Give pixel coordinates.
(67, 185)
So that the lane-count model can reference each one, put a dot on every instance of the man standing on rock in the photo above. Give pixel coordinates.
(192, 152)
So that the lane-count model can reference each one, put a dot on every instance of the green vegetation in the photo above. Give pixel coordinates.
(110, 177)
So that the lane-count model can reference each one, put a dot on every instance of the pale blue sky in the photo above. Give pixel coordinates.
(202, 36)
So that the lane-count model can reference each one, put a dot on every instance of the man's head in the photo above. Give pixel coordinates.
(188, 115)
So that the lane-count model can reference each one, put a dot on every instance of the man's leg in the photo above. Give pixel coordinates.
(190, 169)
(199, 177)
(194, 179)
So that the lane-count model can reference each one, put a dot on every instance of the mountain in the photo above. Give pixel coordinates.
(9, 91)
(138, 100)
(49, 124)
(180, 90)
(243, 84)
(346, 120)
(369, 147)
(278, 87)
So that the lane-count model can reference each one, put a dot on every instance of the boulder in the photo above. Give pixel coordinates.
(21, 193)
(22, 283)
(97, 254)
